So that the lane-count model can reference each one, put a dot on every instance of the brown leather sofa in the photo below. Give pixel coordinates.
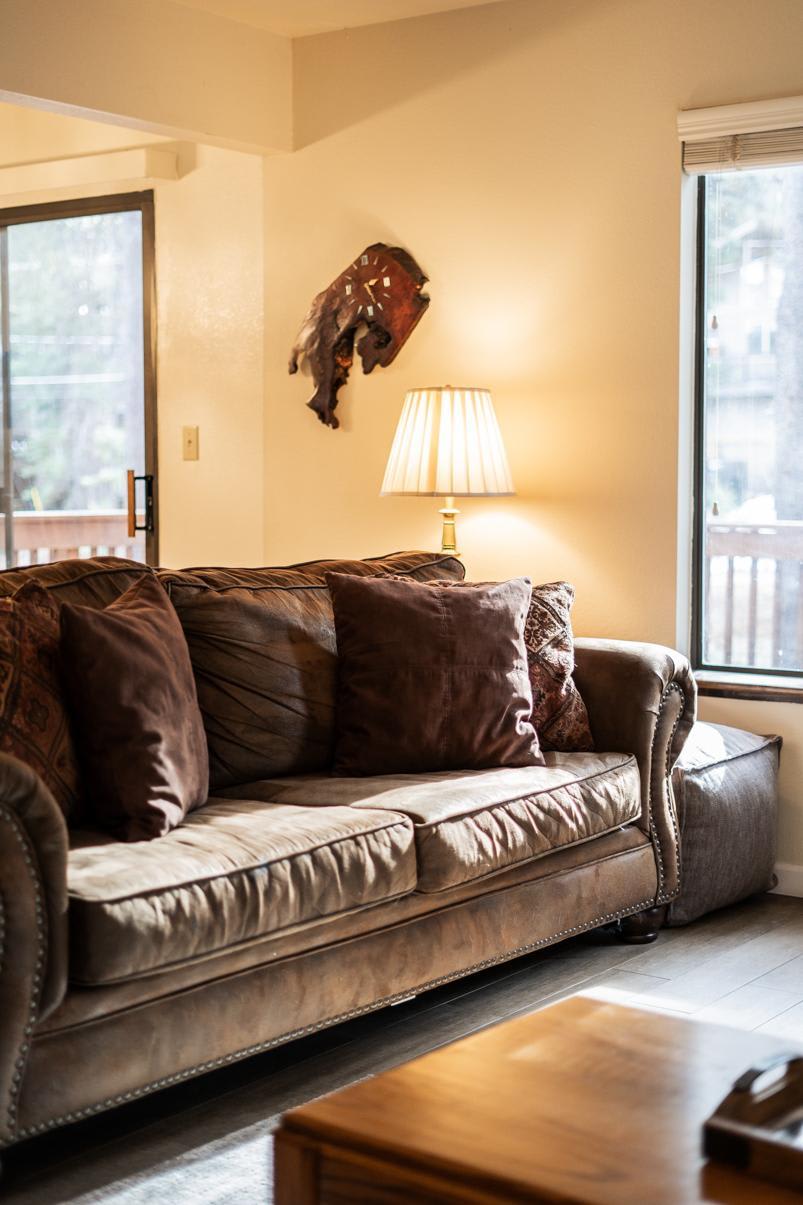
(294, 900)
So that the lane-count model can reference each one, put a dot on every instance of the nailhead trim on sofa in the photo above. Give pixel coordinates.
(668, 780)
(29, 858)
(663, 897)
(292, 1035)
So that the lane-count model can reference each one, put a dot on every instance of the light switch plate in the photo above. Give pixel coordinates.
(189, 443)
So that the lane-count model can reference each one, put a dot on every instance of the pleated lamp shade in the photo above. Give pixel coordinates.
(448, 443)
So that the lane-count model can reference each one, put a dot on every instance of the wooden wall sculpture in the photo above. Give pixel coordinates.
(380, 291)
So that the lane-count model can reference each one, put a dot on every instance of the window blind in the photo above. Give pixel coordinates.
(741, 137)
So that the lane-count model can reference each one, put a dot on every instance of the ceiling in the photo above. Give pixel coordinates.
(296, 18)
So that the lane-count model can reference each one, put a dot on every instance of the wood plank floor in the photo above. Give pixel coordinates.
(209, 1141)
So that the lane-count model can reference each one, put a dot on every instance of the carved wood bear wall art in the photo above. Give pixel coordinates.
(380, 292)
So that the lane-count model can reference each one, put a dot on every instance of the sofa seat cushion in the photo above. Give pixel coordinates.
(232, 872)
(470, 824)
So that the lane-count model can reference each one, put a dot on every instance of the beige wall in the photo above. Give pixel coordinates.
(209, 226)
(786, 719)
(151, 64)
(32, 135)
(209, 282)
(526, 153)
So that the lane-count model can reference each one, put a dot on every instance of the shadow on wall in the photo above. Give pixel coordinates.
(187, 156)
(425, 53)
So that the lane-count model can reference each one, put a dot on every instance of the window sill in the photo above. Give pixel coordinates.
(763, 688)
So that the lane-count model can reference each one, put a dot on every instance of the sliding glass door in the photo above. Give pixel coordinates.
(78, 380)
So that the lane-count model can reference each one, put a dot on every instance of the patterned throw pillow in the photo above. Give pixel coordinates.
(33, 718)
(559, 713)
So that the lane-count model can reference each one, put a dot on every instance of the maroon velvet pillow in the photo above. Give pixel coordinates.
(431, 678)
(559, 713)
(33, 718)
(138, 727)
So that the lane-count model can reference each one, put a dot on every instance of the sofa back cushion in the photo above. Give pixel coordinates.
(91, 582)
(262, 644)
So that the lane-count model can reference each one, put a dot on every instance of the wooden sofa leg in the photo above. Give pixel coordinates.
(643, 927)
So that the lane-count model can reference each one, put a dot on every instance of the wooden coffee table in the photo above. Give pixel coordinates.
(584, 1102)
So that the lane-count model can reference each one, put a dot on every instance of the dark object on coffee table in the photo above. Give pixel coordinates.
(381, 292)
(759, 1125)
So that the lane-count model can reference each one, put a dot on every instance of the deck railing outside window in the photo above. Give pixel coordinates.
(753, 591)
(41, 536)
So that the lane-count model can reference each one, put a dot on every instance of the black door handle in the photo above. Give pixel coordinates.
(148, 525)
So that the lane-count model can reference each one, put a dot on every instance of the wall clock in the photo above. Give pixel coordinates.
(380, 293)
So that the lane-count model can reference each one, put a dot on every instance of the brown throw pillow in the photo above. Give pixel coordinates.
(431, 678)
(138, 727)
(559, 713)
(33, 718)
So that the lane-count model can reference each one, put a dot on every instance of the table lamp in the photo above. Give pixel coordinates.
(448, 444)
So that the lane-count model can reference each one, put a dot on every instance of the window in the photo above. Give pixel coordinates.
(748, 588)
(77, 390)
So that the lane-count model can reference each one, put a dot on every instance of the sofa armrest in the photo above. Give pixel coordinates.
(642, 699)
(33, 921)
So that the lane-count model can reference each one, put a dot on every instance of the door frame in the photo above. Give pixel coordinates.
(121, 203)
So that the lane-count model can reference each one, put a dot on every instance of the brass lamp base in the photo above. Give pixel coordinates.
(449, 534)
